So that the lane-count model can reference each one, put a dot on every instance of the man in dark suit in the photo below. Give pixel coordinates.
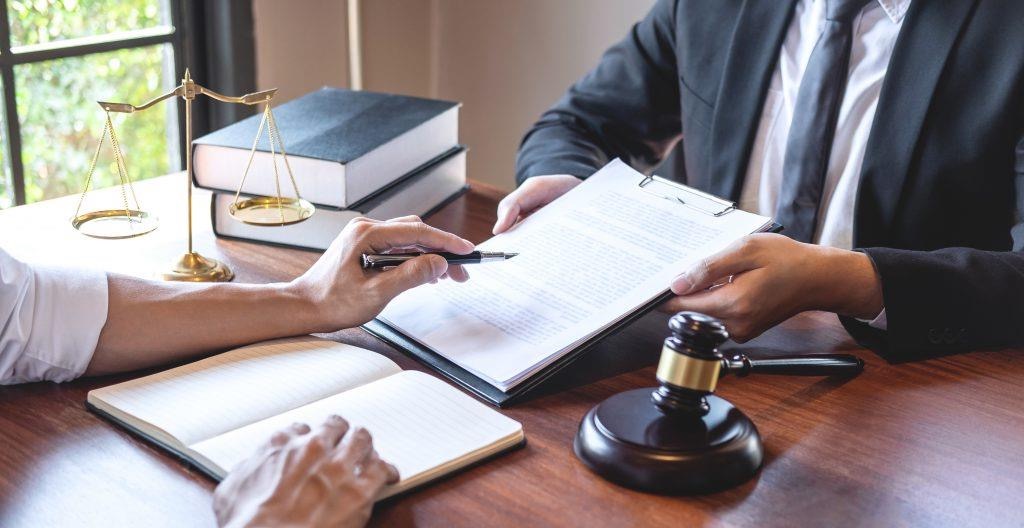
(886, 135)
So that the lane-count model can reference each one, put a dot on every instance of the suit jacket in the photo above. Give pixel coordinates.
(938, 197)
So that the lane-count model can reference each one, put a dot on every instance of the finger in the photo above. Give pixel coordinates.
(354, 450)
(410, 274)
(297, 429)
(732, 260)
(400, 234)
(669, 306)
(278, 439)
(310, 455)
(332, 430)
(282, 437)
(407, 219)
(392, 475)
(714, 303)
(457, 273)
(377, 473)
(388, 471)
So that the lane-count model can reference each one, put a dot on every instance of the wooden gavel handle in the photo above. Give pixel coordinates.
(801, 365)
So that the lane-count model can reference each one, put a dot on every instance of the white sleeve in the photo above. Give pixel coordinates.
(50, 321)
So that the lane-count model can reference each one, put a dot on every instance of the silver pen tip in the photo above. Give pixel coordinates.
(510, 255)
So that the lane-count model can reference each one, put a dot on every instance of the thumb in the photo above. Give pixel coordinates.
(411, 273)
(508, 212)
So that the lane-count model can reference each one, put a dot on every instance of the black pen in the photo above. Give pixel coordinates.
(394, 259)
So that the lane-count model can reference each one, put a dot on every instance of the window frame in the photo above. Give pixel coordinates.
(175, 37)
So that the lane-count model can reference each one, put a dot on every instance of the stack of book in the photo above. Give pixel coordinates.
(353, 153)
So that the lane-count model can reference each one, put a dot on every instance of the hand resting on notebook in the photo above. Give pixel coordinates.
(301, 477)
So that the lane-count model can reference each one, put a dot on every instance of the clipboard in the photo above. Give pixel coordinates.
(686, 196)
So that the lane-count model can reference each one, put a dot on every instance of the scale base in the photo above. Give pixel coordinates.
(628, 440)
(193, 267)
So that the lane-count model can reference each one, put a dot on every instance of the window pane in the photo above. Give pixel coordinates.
(35, 22)
(61, 122)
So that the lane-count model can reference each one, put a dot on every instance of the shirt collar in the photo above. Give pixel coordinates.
(895, 9)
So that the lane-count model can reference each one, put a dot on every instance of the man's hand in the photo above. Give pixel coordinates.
(344, 295)
(533, 194)
(327, 477)
(765, 279)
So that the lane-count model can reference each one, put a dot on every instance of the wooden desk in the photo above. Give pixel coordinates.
(932, 443)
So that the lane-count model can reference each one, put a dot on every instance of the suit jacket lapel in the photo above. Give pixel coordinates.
(751, 61)
(926, 39)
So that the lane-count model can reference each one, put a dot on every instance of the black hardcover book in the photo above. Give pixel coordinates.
(420, 192)
(342, 145)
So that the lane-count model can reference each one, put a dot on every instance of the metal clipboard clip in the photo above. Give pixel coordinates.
(688, 196)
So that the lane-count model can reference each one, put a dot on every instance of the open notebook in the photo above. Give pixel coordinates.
(215, 412)
(589, 262)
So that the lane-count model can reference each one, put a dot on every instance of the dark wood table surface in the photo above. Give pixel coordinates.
(932, 443)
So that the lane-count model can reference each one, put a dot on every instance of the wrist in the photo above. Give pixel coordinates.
(301, 306)
(851, 284)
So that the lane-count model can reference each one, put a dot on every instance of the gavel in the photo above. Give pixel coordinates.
(679, 438)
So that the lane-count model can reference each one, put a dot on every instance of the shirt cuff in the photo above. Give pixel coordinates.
(61, 315)
(880, 321)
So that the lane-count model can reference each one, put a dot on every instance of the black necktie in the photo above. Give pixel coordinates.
(814, 122)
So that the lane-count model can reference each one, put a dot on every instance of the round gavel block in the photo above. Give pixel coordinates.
(627, 440)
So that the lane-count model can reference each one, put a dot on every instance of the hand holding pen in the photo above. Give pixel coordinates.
(389, 260)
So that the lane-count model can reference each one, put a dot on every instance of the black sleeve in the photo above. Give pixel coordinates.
(950, 300)
(626, 107)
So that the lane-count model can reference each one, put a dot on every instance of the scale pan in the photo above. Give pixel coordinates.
(114, 223)
(271, 211)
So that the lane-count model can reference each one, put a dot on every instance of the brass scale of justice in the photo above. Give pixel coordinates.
(131, 221)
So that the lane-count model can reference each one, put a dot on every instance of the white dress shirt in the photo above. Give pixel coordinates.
(875, 31)
(51, 321)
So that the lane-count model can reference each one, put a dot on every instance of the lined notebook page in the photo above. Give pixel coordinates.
(585, 261)
(224, 392)
(418, 423)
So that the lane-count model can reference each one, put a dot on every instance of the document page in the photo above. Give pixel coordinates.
(587, 260)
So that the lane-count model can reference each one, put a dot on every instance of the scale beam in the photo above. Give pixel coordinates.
(131, 221)
(128, 108)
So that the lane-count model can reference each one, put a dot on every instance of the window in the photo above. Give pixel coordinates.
(57, 58)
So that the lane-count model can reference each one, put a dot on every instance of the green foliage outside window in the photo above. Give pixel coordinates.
(60, 121)
(45, 21)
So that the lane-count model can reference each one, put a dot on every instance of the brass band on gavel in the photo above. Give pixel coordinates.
(688, 372)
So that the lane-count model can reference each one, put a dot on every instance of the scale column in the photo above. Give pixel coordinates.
(193, 267)
(188, 165)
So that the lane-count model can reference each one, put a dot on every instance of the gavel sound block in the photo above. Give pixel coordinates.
(679, 438)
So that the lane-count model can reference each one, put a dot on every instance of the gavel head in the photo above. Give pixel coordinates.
(690, 363)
